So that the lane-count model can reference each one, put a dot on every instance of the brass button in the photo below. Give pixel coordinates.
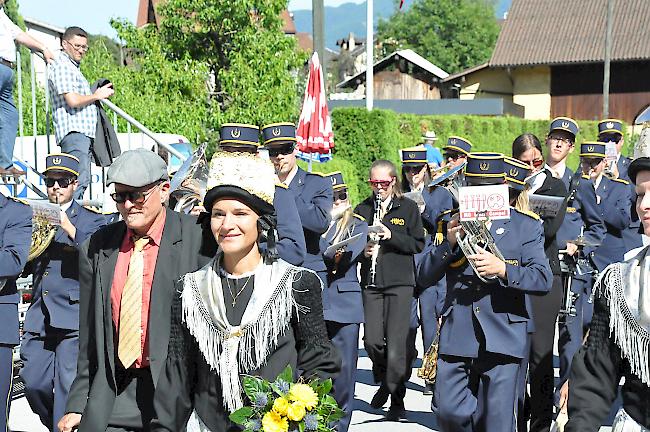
(45, 293)
(46, 273)
(477, 309)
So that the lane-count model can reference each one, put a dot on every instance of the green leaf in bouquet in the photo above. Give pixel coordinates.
(252, 385)
(329, 401)
(301, 426)
(286, 375)
(324, 387)
(241, 415)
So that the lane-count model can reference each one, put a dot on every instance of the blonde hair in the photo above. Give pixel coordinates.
(523, 203)
(342, 224)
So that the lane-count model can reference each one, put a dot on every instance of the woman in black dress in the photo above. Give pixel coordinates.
(244, 313)
(527, 148)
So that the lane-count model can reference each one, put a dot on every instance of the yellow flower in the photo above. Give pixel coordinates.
(274, 422)
(305, 394)
(296, 411)
(281, 405)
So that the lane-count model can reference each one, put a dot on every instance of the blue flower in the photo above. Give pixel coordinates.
(282, 385)
(253, 424)
(260, 399)
(311, 422)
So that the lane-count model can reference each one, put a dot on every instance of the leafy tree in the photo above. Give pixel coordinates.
(252, 62)
(453, 34)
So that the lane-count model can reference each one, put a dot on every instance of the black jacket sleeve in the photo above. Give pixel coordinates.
(412, 241)
(173, 399)
(595, 374)
(552, 224)
(316, 353)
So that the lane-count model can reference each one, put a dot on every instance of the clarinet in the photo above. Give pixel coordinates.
(374, 237)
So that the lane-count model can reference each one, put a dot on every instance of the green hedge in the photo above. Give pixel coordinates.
(362, 137)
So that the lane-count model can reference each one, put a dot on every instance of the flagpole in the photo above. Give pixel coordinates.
(369, 55)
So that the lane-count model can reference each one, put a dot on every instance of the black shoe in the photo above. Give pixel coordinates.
(380, 398)
(428, 390)
(396, 413)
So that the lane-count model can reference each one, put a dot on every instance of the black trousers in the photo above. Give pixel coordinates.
(386, 337)
(540, 367)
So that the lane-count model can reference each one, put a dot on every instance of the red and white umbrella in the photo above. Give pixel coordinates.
(314, 132)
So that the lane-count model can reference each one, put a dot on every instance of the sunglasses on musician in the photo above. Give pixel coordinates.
(615, 138)
(412, 168)
(340, 196)
(63, 182)
(590, 162)
(380, 183)
(134, 196)
(452, 155)
(535, 163)
(285, 149)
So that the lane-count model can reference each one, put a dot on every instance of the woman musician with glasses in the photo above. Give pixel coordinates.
(342, 302)
(527, 149)
(388, 278)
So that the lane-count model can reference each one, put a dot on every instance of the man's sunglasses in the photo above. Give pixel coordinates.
(412, 168)
(136, 197)
(63, 182)
(280, 150)
(383, 183)
(591, 162)
(615, 138)
(452, 155)
(340, 196)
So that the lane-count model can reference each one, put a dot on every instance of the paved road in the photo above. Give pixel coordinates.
(364, 418)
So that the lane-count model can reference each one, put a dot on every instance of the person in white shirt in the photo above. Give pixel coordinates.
(10, 34)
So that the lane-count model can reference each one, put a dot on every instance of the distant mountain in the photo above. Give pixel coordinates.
(351, 17)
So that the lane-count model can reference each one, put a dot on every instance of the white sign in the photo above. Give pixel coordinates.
(484, 202)
(610, 152)
(544, 205)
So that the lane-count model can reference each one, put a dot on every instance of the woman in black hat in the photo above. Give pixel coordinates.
(246, 312)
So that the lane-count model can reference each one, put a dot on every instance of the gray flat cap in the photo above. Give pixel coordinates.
(137, 168)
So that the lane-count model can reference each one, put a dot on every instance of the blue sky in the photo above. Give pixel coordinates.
(94, 15)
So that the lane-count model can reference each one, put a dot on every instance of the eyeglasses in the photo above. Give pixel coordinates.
(615, 138)
(452, 155)
(136, 196)
(63, 182)
(591, 162)
(536, 163)
(78, 47)
(380, 183)
(280, 150)
(412, 168)
(340, 196)
(565, 141)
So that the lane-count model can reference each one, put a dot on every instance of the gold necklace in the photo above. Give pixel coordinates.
(236, 296)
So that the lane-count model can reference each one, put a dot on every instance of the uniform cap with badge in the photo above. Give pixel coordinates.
(458, 144)
(238, 135)
(484, 168)
(413, 156)
(592, 149)
(63, 163)
(610, 126)
(279, 138)
(516, 173)
(564, 124)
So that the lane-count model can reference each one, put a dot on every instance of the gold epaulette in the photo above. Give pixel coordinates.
(458, 263)
(94, 210)
(528, 213)
(18, 200)
(320, 174)
(586, 177)
(281, 185)
(358, 216)
(625, 182)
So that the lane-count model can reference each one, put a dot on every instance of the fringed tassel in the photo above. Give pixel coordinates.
(438, 238)
(631, 338)
(248, 347)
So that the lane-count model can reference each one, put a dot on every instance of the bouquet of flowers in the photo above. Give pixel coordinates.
(287, 406)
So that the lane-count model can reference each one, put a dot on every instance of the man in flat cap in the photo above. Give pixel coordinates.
(127, 273)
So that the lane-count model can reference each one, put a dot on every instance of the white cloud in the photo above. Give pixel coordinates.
(306, 4)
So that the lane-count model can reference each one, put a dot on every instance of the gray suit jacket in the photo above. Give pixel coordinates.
(93, 391)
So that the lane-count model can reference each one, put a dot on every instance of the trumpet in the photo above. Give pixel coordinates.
(374, 237)
(477, 235)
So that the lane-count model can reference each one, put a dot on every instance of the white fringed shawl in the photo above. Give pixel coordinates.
(231, 350)
(626, 286)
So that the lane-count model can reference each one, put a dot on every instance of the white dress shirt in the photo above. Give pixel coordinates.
(8, 33)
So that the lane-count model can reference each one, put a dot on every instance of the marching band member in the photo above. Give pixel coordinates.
(428, 301)
(485, 325)
(342, 302)
(312, 192)
(388, 278)
(582, 218)
(527, 149)
(246, 311)
(611, 131)
(15, 239)
(618, 344)
(291, 247)
(50, 345)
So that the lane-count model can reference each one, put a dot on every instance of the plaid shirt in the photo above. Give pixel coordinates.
(64, 77)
